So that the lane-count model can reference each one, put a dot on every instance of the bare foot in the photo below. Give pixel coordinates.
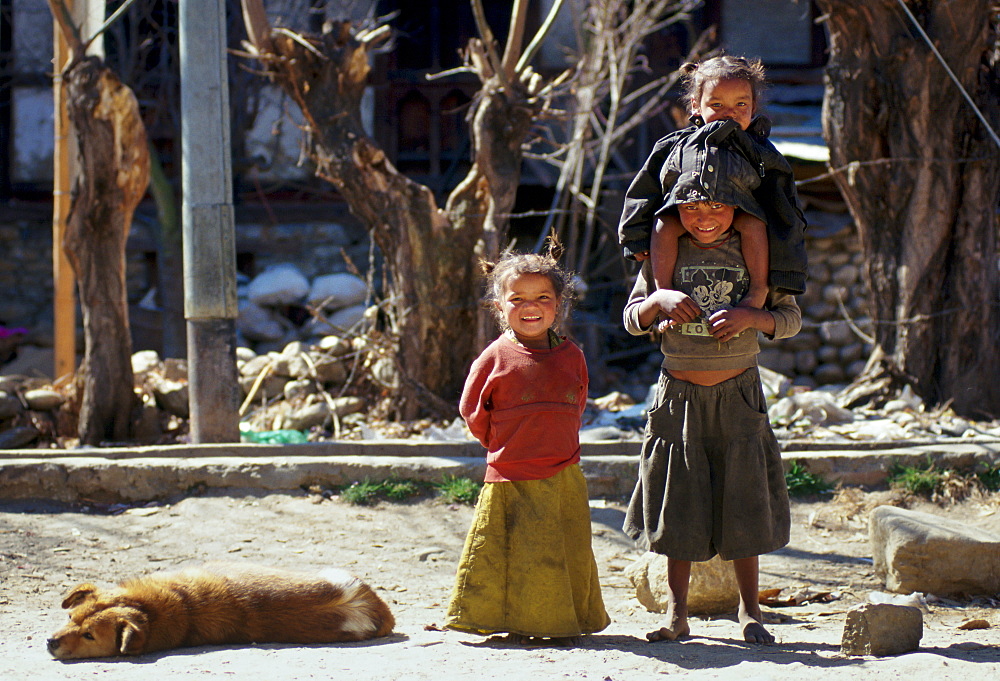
(541, 641)
(753, 629)
(517, 639)
(677, 628)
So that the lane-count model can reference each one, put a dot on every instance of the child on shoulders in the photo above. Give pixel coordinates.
(727, 141)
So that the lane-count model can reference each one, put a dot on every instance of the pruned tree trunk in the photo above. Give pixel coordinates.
(114, 173)
(921, 176)
(430, 251)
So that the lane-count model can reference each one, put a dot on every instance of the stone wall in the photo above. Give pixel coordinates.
(315, 247)
(831, 348)
(25, 272)
(827, 351)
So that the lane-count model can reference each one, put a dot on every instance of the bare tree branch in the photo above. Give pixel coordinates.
(536, 42)
(515, 36)
(257, 25)
(70, 31)
(489, 43)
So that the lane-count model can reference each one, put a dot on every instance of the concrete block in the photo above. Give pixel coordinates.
(882, 629)
(915, 551)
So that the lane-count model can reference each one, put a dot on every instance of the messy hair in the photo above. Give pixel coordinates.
(511, 265)
(726, 67)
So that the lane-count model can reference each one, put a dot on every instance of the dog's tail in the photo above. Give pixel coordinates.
(365, 614)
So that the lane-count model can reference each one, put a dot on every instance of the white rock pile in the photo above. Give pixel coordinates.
(281, 305)
(302, 387)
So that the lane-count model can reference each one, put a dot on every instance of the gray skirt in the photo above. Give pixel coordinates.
(711, 480)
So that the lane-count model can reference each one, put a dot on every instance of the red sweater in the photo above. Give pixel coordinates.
(525, 406)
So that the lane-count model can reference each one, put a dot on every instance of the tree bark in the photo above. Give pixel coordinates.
(921, 176)
(430, 252)
(114, 173)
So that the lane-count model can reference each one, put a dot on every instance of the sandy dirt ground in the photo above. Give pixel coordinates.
(408, 553)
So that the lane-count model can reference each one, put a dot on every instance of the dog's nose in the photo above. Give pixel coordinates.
(52, 644)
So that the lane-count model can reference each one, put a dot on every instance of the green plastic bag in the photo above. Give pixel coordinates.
(275, 437)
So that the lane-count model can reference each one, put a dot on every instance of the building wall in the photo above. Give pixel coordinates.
(751, 28)
(31, 95)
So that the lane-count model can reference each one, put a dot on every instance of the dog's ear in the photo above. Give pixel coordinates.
(79, 595)
(131, 635)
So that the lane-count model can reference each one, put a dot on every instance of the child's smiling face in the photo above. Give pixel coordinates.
(729, 98)
(529, 306)
(706, 221)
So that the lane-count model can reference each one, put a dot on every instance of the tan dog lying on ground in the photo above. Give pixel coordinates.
(218, 604)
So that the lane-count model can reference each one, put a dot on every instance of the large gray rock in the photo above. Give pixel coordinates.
(329, 369)
(711, 591)
(336, 291)
(882, 629)
(41, 399)
(306, 417)
(9, 405)
(300, 388)
(338, 322)
(15, 438)
(281, 284)
(172, 397)
(253, 367)
(144, 362)
(348, 404)
(290, 362)
(271, 386)
(258, 323)
(915, 551)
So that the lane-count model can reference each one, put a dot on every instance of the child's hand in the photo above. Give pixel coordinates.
(677, 307)
(726, 324)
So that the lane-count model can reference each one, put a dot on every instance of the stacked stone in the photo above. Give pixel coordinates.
(317, 248)
(25, 273)
(827, 350)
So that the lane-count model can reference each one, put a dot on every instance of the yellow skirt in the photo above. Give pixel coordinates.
(528, 567)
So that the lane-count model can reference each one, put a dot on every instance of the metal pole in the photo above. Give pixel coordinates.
(209, 240)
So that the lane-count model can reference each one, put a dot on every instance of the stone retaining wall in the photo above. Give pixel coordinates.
(830, 348)
(139, 474)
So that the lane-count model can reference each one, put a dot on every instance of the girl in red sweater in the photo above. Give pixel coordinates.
(528, 569)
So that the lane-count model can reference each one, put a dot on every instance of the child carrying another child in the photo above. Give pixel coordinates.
(710, 473)
(528, 568)
(727, 141)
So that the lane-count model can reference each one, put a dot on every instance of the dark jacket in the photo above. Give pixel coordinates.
(736, 167)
